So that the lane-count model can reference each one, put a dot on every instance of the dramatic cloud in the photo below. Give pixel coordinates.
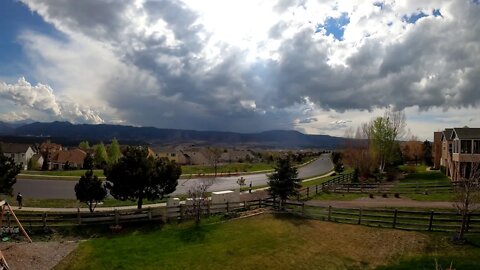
(256, 65)
(41, 99)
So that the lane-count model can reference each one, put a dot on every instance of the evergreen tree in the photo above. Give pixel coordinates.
(136, 176)
(283, 181)
(8, 173)
(113, 151)
(88, 162)
(90, 190)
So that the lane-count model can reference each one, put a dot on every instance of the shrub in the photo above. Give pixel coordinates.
(370, 195)
(384, 195)
(397, 195)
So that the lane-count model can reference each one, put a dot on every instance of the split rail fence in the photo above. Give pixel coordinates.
(442, 221)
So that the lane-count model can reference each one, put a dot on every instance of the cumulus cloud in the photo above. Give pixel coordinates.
(211, 65)
(41, 99)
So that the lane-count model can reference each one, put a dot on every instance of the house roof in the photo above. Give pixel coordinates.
(14, 147)
(447, 133)
(467, 133)
(75, 156)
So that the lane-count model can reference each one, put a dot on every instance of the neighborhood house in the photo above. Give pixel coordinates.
(21, 153)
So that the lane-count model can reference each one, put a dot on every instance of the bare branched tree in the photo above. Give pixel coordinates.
(198, 195)
(213, 155)
(467, 197)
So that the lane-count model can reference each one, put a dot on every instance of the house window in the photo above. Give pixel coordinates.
(476, 146)
(466, 146)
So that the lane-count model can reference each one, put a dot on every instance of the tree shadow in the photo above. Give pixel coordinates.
(194, 233)
(293, 219)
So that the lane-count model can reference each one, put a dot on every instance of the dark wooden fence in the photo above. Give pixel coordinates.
(442, 221)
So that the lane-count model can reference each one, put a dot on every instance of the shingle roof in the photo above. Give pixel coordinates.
(14, 147)
(447, 133)
(74, 156)
(467, 133)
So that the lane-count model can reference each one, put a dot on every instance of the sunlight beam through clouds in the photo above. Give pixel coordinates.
(258, 65)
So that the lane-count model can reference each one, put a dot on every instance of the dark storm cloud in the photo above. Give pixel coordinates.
(171, 83)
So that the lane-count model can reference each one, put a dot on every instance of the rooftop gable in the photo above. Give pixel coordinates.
(466, 133)
(14, 147)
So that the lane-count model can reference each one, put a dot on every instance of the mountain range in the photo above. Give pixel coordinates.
(105, 132)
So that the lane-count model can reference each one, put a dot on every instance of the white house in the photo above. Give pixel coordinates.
(21, 153)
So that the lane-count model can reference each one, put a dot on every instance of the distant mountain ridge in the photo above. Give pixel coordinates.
(105, 132)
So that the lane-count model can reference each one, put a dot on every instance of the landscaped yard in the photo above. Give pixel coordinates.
(423, 183)
(269, 242)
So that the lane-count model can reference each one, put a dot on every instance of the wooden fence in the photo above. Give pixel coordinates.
(442, 221)
(181, 212)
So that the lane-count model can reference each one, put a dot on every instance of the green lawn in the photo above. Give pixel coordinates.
(268, 242)
(71, 173)
(71, 203)
(421, 182)
(186, 170)
(227, 168)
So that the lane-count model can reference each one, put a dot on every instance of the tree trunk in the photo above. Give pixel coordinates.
(140, 202)
(90, 207)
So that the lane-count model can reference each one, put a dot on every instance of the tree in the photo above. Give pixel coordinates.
(136, 176)
(198, 195)
(90, 190)
(413, 149)
(84, 145)
(213, 155)
(427, 153)
(88, 162)
(283, 181)
(100, 155)
(467, 193)
(337, 161)
(113, 151)
(8, 173)
(384, 131)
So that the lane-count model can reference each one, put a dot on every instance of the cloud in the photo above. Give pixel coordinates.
(203, 65)
(41, 99)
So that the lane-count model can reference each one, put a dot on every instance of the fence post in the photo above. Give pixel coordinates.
(360, 216)
(245, 205)
(180, 211)
(308, 192)
(228, 209)
(116, 217)
(395, 218)
(259, 203)
(44, 219)
(303, 208)
(8, 219)
(468, 222)
(149, 213)
(430, 222)
(79, 217)
(316, 189)
(329, 213)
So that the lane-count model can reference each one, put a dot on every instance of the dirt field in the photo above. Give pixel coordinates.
(36, 255)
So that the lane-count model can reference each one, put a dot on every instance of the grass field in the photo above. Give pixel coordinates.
(269, 242)
(186, 170)
(71, 203)
(421, 180)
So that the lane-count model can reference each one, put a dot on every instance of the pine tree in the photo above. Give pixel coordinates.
(284, 182)
(90, 190)
(8, 173)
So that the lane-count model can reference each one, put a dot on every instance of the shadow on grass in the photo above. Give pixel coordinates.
(195, 233)
(431, 176)
(293, 219)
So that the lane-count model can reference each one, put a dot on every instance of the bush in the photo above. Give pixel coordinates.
(370, 195)
(397, 195)
(384, 195)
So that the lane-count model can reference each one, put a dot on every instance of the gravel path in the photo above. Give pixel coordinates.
(36, 255)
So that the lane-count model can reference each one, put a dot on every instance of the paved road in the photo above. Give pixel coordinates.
(61, 189)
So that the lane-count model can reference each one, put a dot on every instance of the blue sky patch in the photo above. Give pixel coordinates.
(15, 17)
(381, 5)
(335, 26)
(414, 18)
(437, 13)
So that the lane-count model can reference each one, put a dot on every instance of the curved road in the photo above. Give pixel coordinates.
(61, 189)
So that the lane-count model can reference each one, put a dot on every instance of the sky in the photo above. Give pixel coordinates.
(318, 67)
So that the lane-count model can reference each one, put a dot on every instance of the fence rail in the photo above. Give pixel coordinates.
(443, 221)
